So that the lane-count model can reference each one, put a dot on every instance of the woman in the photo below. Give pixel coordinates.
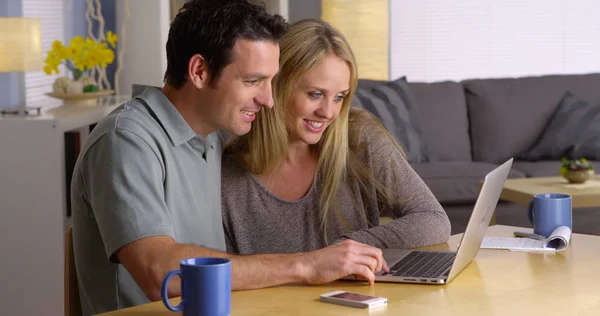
(314, 170)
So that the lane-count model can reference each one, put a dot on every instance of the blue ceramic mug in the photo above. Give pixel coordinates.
(205, 287)
(547, 211)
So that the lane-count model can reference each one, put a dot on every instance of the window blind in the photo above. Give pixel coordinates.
(433, 40)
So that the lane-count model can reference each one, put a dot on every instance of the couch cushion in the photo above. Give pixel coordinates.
(444, 119)
(507, 116)
(456, 182)
(573, 131)
(543, 168)
(507, 213)
(393, 104)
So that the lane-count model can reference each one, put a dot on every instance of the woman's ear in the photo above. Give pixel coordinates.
(198, 72)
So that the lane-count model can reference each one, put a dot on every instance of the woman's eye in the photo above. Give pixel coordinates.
(315, 95)
(340, 98)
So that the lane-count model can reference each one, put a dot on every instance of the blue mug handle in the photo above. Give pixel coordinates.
(163, 292)
(530, 212)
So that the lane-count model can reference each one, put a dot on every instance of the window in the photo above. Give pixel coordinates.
(434, 40)
(51, 14)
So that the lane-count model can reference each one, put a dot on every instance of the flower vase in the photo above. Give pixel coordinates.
(579, 176)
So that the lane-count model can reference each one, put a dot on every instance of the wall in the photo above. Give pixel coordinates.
(75, 24)
(303, 9)
(145, 57)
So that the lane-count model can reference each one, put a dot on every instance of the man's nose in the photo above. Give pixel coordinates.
(265, 96)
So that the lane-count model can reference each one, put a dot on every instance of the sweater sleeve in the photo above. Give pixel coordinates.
(419, 219)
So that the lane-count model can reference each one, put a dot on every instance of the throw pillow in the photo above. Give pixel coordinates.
(393, 104)
(573, 131)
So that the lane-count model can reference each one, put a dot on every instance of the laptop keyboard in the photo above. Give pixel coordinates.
(423, 264)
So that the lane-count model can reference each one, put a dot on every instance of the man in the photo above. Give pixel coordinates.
(146, 186)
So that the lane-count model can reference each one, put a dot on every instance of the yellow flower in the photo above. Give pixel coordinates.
(79, 62)
(106, 56)
(90, 59)
(89, 43)
(57, 45)
(52, 60)
(77, 41)
(51, 63)
(48, 70)
(82, 54)
(60, 54)
(112, 38)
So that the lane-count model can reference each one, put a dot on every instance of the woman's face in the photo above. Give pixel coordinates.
(317, 99)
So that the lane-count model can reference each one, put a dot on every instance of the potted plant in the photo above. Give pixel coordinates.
(577, 170)
(84, 59)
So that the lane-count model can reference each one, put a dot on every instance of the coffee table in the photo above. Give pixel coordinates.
(522, 190)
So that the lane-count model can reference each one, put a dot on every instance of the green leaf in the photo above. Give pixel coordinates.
(90, 88)
(563, 170)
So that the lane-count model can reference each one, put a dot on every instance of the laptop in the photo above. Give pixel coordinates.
(440, 267)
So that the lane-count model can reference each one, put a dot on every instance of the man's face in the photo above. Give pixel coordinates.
(244, 86)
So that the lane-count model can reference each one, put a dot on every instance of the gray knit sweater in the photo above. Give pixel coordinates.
(257, 221)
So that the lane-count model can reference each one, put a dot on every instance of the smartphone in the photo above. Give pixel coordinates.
(353, 299)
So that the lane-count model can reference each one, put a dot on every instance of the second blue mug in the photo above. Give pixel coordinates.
(548, 211)
(205, 287)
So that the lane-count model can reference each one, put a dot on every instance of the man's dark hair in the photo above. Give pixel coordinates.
(210, 28)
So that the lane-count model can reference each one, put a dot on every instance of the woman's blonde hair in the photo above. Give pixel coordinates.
(264, 148)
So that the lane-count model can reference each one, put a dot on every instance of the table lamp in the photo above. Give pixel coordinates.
(365, 24)
(20, 51)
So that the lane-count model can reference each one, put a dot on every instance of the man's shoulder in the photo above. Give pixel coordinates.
(131, 118)
(126, 134)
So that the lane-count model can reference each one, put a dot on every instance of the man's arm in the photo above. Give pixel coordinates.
(149, 259)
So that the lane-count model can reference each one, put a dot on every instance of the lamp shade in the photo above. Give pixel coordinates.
(20, 44)
(365, 24)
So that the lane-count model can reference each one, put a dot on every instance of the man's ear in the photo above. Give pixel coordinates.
(198, 72)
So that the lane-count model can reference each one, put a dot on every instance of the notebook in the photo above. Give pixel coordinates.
(557, 241)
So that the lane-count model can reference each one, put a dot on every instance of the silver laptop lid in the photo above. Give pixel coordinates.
(480, 218)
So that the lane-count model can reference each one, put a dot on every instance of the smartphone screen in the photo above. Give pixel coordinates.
(354, 297)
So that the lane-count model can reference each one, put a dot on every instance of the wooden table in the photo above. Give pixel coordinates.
(497, 282)
(522, 190)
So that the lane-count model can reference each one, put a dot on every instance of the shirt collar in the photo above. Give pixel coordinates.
(177, 129)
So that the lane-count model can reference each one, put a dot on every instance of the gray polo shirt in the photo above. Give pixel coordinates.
(142, 172)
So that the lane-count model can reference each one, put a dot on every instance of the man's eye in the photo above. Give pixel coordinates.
(251, 82)
(315, 95)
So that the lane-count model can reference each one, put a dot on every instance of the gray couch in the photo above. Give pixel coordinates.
(474, 125)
